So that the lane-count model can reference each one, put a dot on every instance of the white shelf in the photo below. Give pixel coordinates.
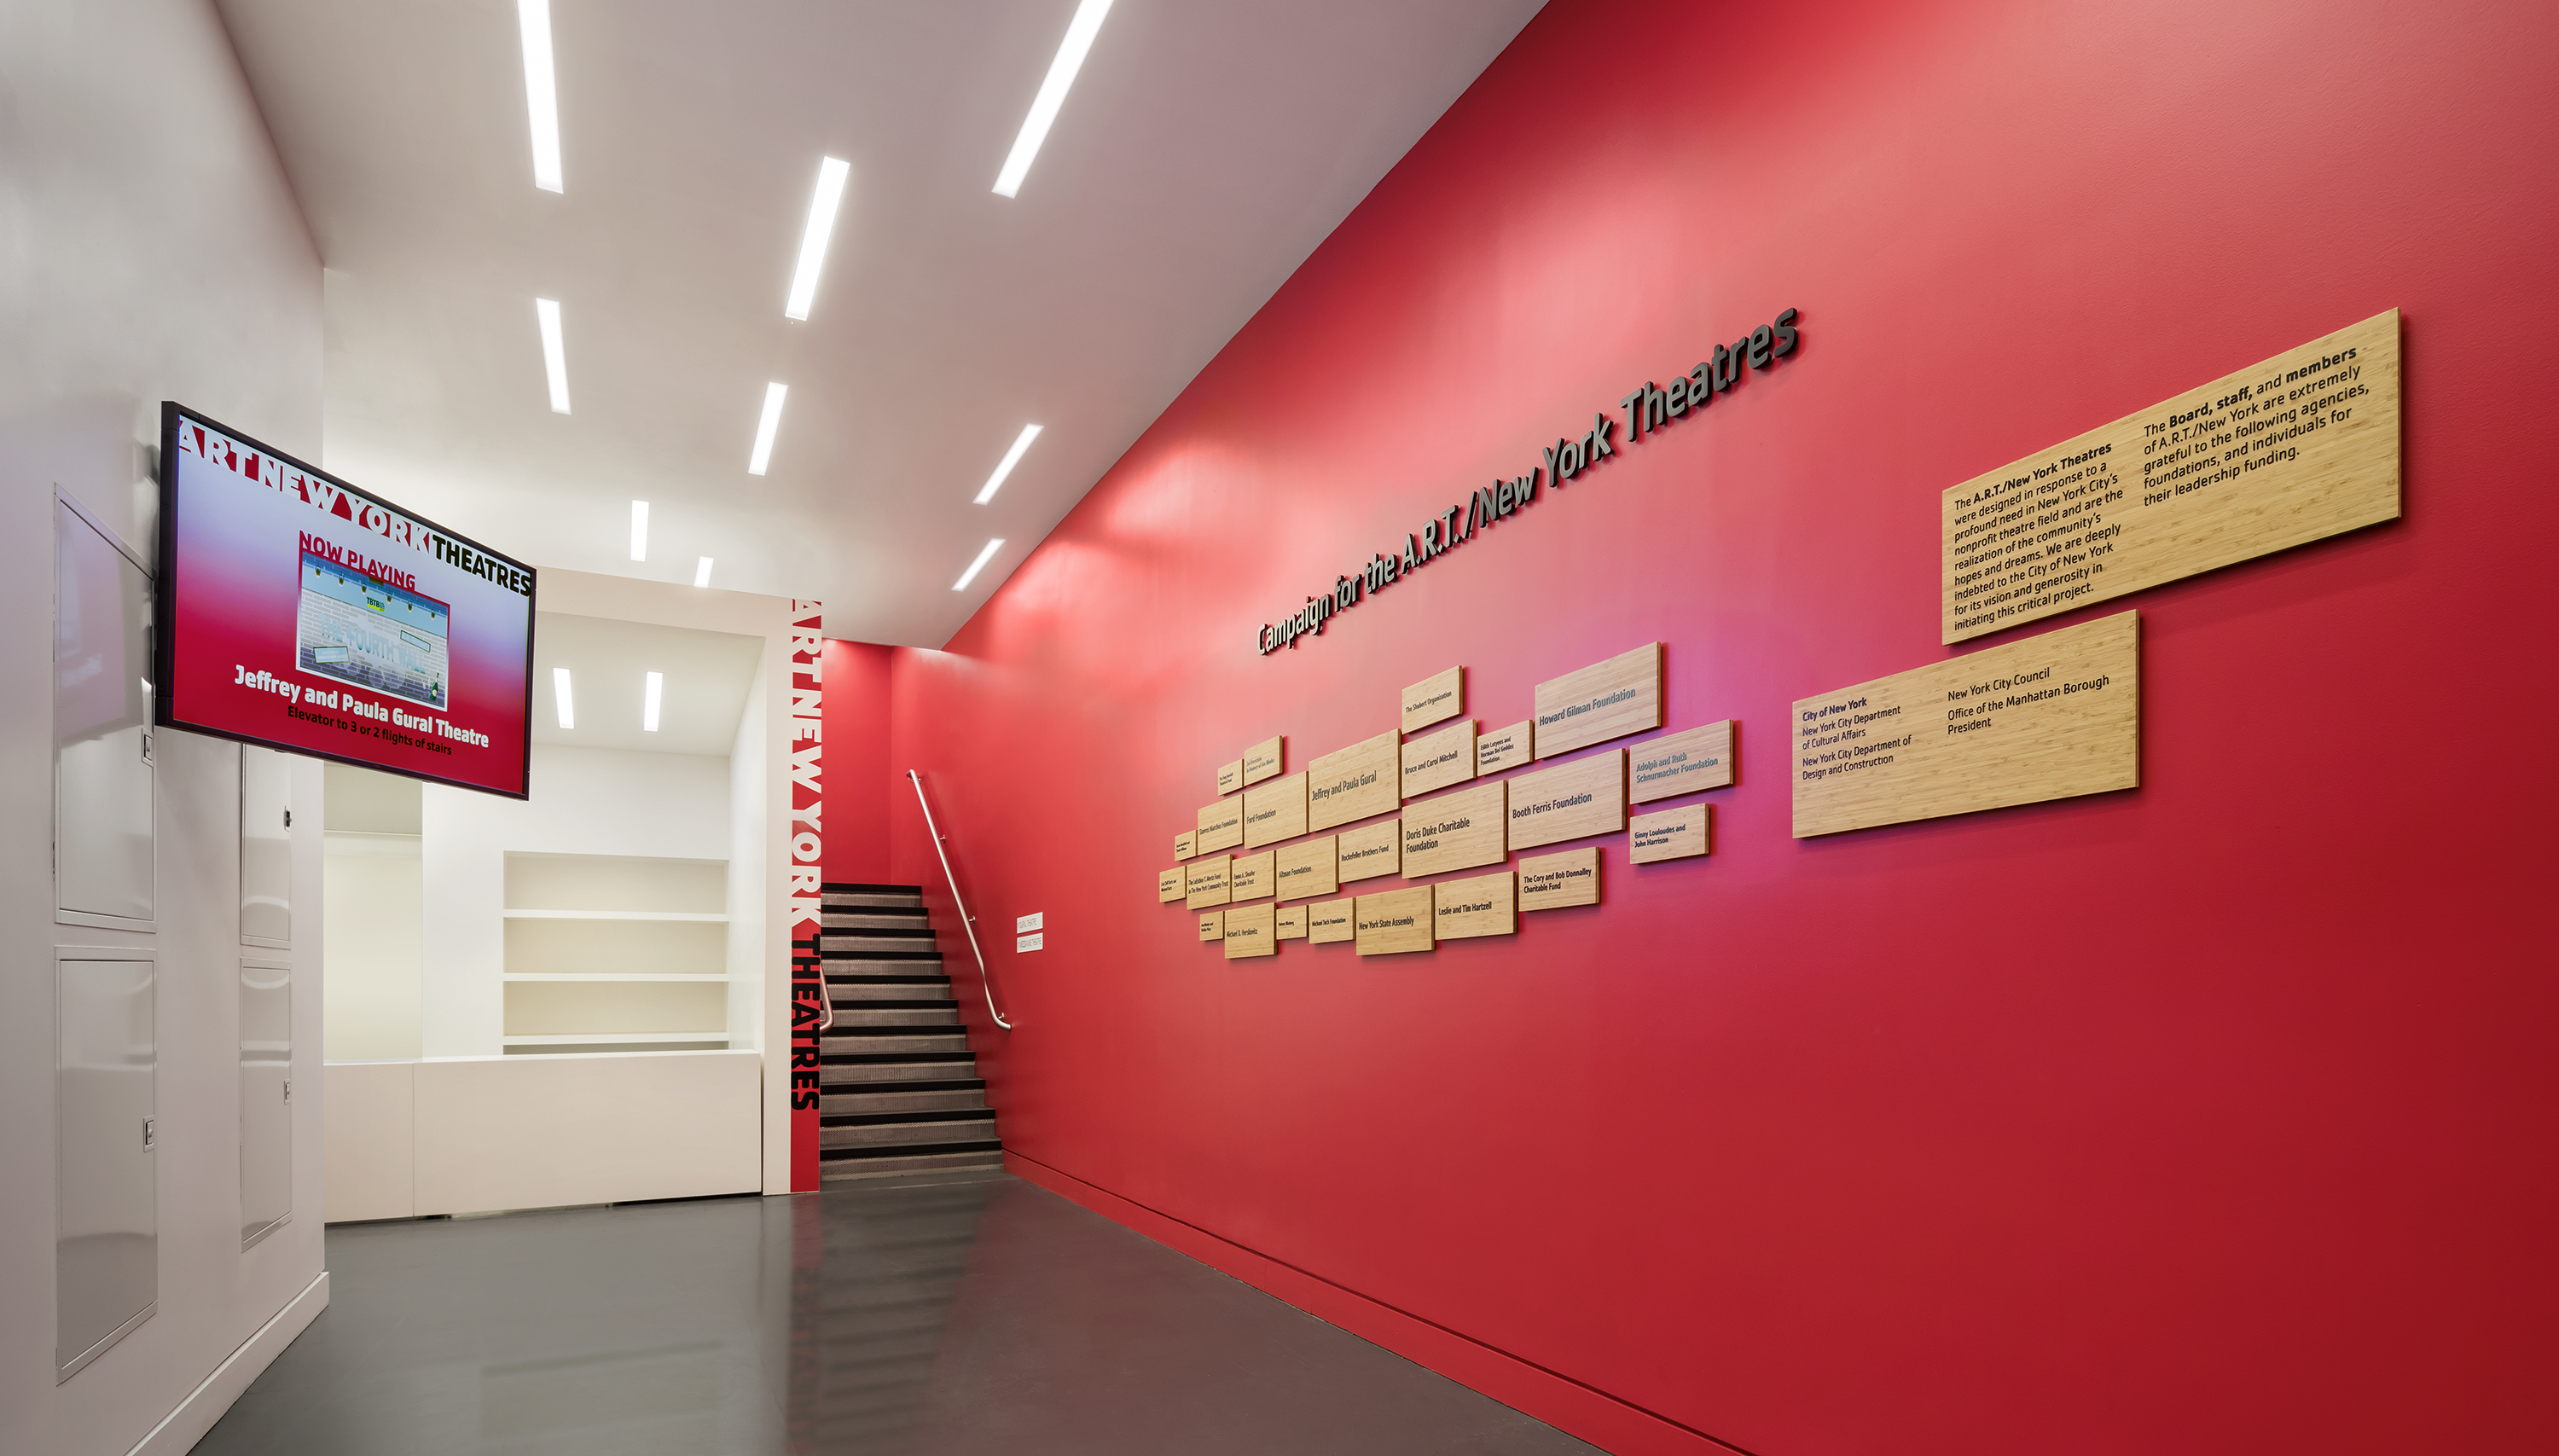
(613, 977)
(615, 1037)
(612, 914)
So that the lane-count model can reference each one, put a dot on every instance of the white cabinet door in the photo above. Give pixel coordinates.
(103, 783)
(265, 1097)
(106, 1220)
(266, 848)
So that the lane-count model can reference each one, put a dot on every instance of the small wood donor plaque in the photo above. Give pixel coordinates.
(1274, 812)
(1392, 922)
(1679, 833)
(1455, 831)
(1355, 782)
(1207, 883)
(1329, 923)
(1290, 924)
(1481, 906)
(1683, 763)
(1262, 761)
(2302, 446)
(1186, 844)
(1250, 932)
(1248, 877)
(1554, 881)
(1438, 759)
(1229, 777)
(1434, 699)
(1570, 801)
(2050, 717)
(1604, 700)
(1370, 851)
(1309, 869)
(1221, 825)
(1507, 748)
(1171, 885)
(1212, 926)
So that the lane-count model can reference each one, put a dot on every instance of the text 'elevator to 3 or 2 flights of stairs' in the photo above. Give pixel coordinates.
(899, 1087)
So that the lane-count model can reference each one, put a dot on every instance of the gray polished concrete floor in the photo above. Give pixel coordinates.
(936, 1318)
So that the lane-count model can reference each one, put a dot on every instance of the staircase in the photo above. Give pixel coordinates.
(899, 1091)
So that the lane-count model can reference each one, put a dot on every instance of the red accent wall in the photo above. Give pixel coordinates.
(2214, 1115)
(857, 767)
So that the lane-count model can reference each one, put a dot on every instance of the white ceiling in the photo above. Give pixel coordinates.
(706, 678)
(1204, 152)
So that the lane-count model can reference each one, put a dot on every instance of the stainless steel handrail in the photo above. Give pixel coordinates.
(968, 922)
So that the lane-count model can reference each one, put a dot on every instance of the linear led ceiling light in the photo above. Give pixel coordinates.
(765, 427)
(639, 530)
(555, 354)
(1052, 94)
(542, 91)
(560, 695)
(703, 572)
(812, 244)
(978, 565)
(1012, 457)
(649, 702)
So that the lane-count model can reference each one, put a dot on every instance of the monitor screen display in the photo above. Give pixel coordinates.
(302, 613)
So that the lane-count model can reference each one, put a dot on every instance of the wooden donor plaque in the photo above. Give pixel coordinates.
(1438, 759)
(1229, 777)
(1221, 825)
(1207, 883)
(2302, 446)
(1248, 877)
(1434, 699)
(1683, 763)
(1186, 844)
(1678, 834)
(1274, 812)
(1356, 782)
(1249, 931)
(1554, 881)
(1570, 801)
(1262, 761)
(1455, 831)
(1328, 923)
(2044, 718)
(1370, 851)
(1212, 924)
(1308, 869)
(1290, 924)
(1481, 906)
(1171, 885)
(1392, 922)
(1604, 700)
(1506, 749)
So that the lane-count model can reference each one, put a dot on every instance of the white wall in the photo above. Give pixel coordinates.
(373, 898)
(149, 249)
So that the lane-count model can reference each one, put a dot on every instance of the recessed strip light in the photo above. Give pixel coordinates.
(978, 565)
(554, 354)
(542, 91)
(1012, 457)
(703, 572)
(560, 696)
(1052, 94)
(639, 530)
(765, 427)
(812, 244)
(649, 703)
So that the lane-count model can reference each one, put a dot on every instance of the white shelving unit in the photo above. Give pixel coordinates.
(612, 953)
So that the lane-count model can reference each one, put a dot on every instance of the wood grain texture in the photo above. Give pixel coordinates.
(1290, 924)
(1186, 844)
(1212, 924)
(1680, 763)
(1392, 922)
(1355, 782)
(1173, 884)
(1438, 759)
(1251, 931)
(1554, 881)
(1308, 869)
(1262, 761)
(1455, 831)
(2048, 717)
(1434, 699)
(1482, 905)
(2302, 446)
(1679, 833)
(1229, 777)
(1506, 748)
(1274, 812)
(1370, 851)
(1221, 825)
(1329, 921)
(1207, 882)
(1570, 801)
(1604, 700)
(1248, 877)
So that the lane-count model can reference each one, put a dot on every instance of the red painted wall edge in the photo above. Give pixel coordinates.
(2210, 1116)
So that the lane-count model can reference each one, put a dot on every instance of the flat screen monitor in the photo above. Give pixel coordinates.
(299, 612)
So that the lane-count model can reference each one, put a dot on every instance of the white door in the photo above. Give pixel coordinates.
(103, 775)
(266, 1098)
(266, 848)
(106, 1220)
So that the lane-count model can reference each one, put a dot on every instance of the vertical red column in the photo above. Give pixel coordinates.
(805, 742)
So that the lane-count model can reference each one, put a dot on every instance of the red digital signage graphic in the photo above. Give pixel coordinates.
(299, 612)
